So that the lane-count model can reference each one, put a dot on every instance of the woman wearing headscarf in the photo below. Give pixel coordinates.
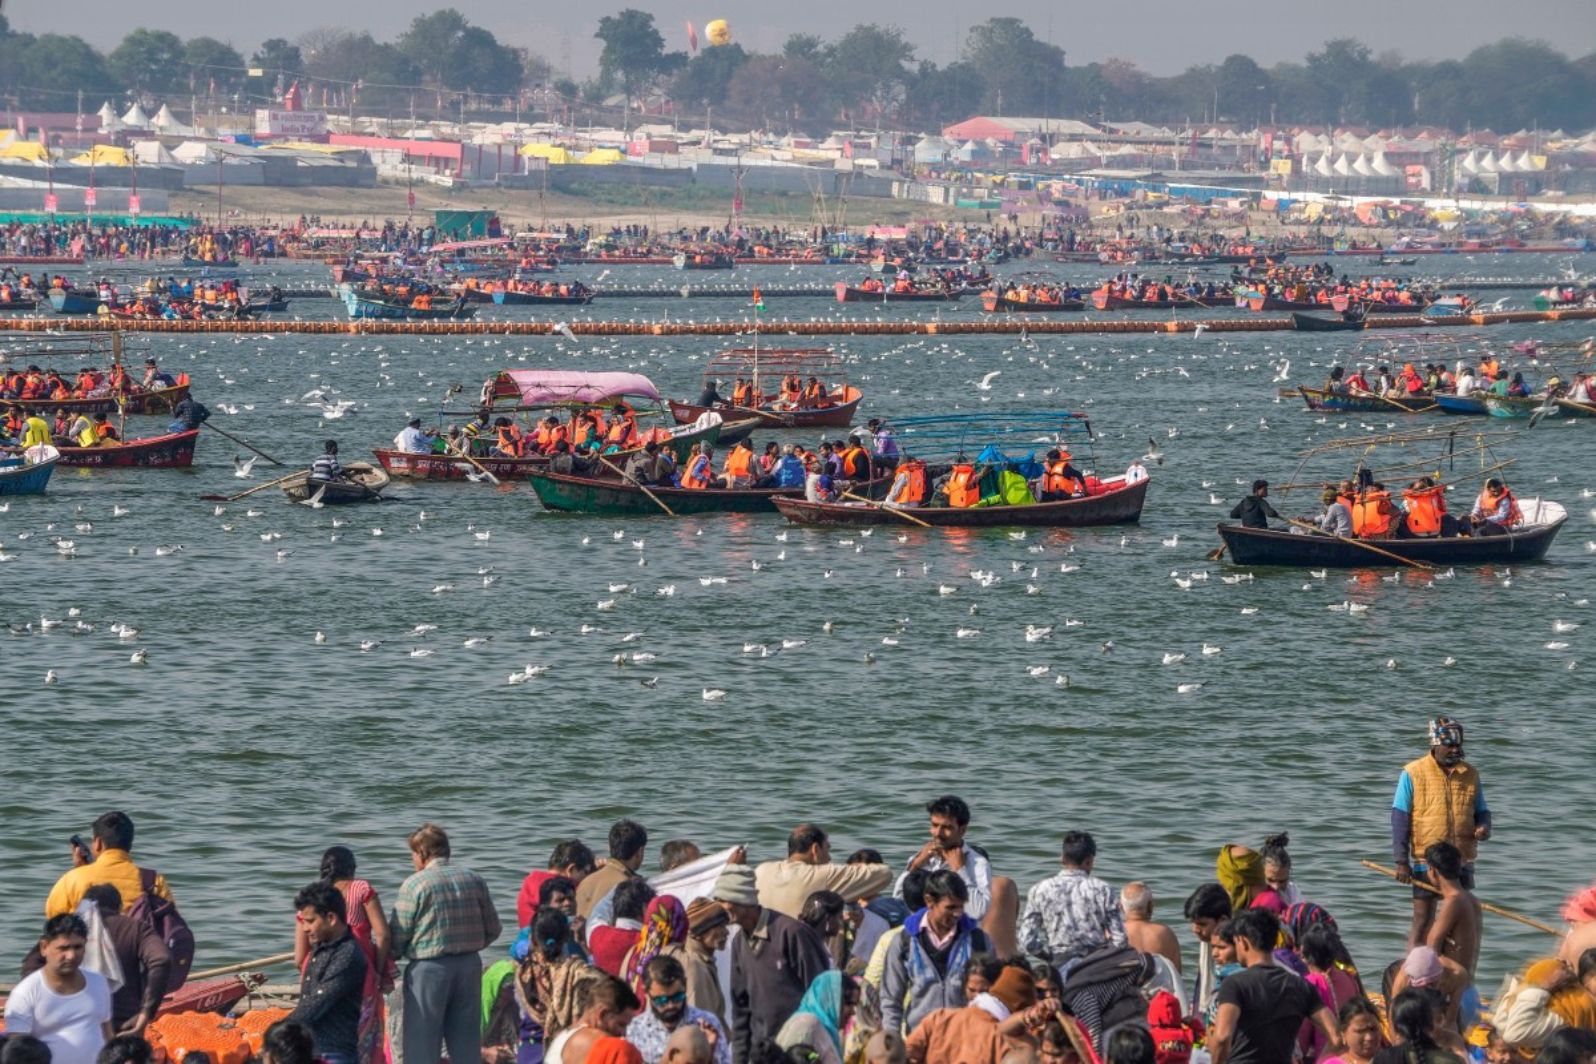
(548, 984)
(664, 933)
(1240, 870)
(822, 1015)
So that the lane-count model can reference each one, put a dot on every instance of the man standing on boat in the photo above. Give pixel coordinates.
(1255, 511)
(1438, 798)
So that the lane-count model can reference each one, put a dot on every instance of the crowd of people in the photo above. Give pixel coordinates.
(938, 960)
(75, 237)
(1364, 508)
(1485, 377)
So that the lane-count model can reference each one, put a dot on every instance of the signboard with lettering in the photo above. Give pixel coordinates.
(90, 198)
(270, 122)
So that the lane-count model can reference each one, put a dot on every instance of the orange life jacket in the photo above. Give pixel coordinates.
(543, 438)
(1488, 504)
(1057, 481)
(690, 479)
(913, 492)
(742, 395)
(1426, 507)
(510, 441)
(1371, 515)
(737, 461)
(964, 487)
(855, 463)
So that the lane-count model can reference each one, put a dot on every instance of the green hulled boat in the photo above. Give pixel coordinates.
(614, 497)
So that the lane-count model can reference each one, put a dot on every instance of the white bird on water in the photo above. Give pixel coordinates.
(241, 468)
(714, 694)
(985, 383)
(1174, 659)
(140, 657)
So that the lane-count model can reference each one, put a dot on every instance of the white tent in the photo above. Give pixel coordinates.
(1527, 164)
(1505, 163)
(166, 122)
(1306, 143)
(109, 123)
(1471, 163)
(135, 118)
(1381, 166)
(1361, 167)
(152, 153)
(1488, 164)
(1342, 167)
(1323, 167)
(194, 152)
(1373, 142)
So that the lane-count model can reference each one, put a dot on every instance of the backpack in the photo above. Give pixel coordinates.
(162, 917)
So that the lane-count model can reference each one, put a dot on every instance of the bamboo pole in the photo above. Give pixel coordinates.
(1487, 906)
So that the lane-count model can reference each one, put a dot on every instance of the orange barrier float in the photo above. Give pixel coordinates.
(972, 327)
(226, 1041)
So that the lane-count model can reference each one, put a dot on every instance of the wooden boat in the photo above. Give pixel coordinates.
(155, 401)
(365, 306)
(1106, 301)
(191, 263)
(18, 303)
(839, 415)
(21, 476)
(612, 496)
(211, 995)
(1465, 405)
(765, 369)
(363, 482)
(993, 303)
(1313, 323)
(1320, 399)
(1572, 409)
(847, 293)
(174, 450)
(1120, 504)
(74, 301)
(1266, 546)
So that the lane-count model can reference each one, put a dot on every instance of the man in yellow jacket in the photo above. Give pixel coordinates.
(35, 430)
(1438, 799)
(108, 861)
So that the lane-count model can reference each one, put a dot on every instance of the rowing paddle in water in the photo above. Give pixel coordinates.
(251, 491)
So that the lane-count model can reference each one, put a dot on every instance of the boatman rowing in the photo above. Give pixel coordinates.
(326, 466)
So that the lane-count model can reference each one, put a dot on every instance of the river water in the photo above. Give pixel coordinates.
(245, 746)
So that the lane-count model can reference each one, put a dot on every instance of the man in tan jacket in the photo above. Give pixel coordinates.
(628, 839)
(785, 885)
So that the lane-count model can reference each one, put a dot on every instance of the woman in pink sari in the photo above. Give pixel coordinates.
(370, 928)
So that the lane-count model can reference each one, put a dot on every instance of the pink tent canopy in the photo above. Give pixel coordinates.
(551, 387)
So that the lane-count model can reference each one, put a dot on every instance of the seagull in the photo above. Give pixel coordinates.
(1562, 627)
(1038, 670)
(564, 330)
(714, 694)
(241, 468)
(1209, 650)
(985, 383)
(139, 657)
(1188, 688)
(49, 676)
(1153, 454)
(1284, 372)
(1174, 659)
(367, 645)
(1033, 634)
(320, 637)
(1173, 541)
(421, 652)
(423, 629)
(314, 502)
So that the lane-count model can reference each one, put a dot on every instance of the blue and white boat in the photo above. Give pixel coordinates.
(29, 472)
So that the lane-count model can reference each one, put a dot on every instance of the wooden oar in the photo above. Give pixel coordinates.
(1487, 906)
(229, 969)
(891, 509)
(655, 498)
(242, 443)
(1360, 543)
(251, 491)
(452, 449)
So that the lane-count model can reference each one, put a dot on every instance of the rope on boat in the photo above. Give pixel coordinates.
(1004, 327)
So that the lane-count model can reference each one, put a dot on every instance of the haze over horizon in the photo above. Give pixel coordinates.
(1160, 36)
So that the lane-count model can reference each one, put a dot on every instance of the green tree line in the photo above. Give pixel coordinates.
(869, 76)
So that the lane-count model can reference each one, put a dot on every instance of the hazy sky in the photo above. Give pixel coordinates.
(1160, 35)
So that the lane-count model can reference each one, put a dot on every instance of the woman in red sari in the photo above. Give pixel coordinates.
(370, 928)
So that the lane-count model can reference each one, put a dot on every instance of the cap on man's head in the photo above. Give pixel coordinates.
(736, 885)
(1444, 731)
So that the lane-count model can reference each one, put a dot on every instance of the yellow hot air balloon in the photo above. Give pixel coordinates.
(718, 32)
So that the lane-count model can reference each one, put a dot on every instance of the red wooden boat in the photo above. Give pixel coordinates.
(449, 467)
(174, 450)
(211, 995)
(1119, 503)
(846, 293)
(765, 368)
(837, 416)
(155, 401)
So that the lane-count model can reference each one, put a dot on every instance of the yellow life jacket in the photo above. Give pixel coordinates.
(1443, 806)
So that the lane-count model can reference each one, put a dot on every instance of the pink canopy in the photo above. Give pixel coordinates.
(551, 387)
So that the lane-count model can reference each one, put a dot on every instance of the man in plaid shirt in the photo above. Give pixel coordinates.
(442, 919)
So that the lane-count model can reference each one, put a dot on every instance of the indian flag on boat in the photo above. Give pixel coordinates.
(759, 300)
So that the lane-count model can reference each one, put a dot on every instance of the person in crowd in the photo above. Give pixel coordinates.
(785, 885)
(570, 859)
(1073, 913)
(63, 1004)
(369, 926)
(708, 928)
(666, 1010)
(143, 959)
(1261, 1009)
(611, 942)
(627, 842)
(774, 961)
(607, 1008)
(821, 1017)
(442, 920)
(336, 976)
(926, 966)
(1254, 511)
(1429, 790)
(108, 858)
(663, 934)
(983, 1031)
(1141, 931)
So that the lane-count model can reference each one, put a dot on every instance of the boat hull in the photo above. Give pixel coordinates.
(529, 299)
(74, 302)
(848, 294)
(1573, 409)
(1313, 323)
(1118, 507)
(615, 497)
(1319, 399)
(365, 484)
(1464, 405)
(1504, 406)
(174, 450)
(1256, 546)
(414, 466)
(992, 303)
(26, 479)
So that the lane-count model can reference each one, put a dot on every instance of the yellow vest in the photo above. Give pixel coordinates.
(1443, 806)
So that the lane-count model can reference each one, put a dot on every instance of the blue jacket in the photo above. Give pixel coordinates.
(789, 473)
(912, 987)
